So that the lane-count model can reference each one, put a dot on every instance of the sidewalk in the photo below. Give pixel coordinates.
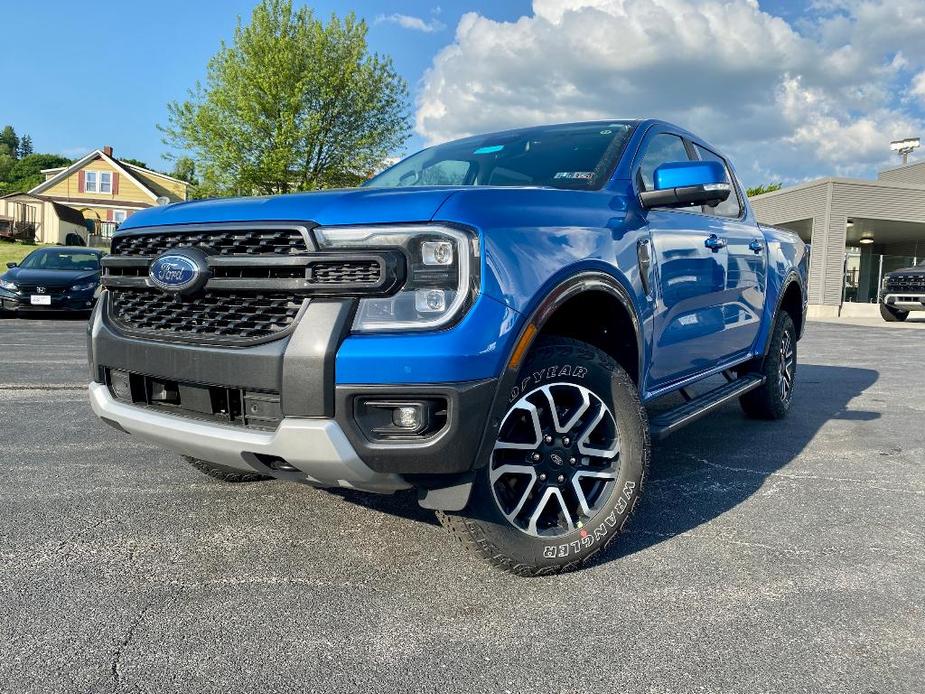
(911, 323)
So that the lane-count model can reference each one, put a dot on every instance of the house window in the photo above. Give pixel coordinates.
(118, 216)
(105, 182)
(90, 182)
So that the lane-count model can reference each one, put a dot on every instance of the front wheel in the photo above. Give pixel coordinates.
(567, 468)
(892, 315)
(773, 399)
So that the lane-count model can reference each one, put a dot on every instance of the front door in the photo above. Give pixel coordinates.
(691, 261)
(746, 274)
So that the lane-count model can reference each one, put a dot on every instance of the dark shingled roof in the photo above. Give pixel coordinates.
(68, 214)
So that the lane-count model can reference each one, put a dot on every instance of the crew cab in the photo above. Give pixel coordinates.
(488, 322)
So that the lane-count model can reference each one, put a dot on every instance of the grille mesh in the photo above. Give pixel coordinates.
(247, 315)
(906, 283)
(365, 272)
(225, 242)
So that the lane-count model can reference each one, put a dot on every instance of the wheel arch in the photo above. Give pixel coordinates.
(555, 303)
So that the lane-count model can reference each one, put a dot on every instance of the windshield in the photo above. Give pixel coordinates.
(54, 259)
(577, 156)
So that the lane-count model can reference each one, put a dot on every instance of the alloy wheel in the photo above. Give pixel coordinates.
(787, 366)
(556, 459)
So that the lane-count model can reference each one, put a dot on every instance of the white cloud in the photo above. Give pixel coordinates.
(411, 22)
(918, 86)
(785, 101)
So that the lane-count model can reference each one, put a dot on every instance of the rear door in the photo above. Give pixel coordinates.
(746, 273)
(691, 270)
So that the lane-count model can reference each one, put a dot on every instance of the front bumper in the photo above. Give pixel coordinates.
(297, 372)
(905, 301)
(78, 301)
(317, 448)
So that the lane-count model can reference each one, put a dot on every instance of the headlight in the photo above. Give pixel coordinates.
(441, 280)
(83, 286)
(8, 285)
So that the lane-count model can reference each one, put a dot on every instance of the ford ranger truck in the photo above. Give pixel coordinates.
(901, 292)
(488, 322)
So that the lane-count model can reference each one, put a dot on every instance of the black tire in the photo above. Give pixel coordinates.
(892, 315)
(774, 398)
(223, 473)
(573, 372)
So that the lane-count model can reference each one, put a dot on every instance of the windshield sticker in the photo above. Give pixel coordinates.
(489, 150)
(606, 132)
(583, 175)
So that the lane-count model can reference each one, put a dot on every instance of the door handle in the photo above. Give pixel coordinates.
(714, 243)
(756, 246)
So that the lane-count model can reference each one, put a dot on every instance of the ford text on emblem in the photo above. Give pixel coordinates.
(174, 273)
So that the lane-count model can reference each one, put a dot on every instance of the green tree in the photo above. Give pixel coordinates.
(9, 142)
(26, 173)
(135, 162)
(25, 146)
(184, 168)
(759, 190)
(292, 104)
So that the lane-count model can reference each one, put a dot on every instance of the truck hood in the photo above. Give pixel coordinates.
(918, 271)
(346, 206)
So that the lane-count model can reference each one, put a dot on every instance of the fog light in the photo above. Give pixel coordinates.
(120, 384)
(406, 417)
(430, 300)
(437, 253)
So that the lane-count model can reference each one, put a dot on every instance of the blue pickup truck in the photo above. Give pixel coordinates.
(502, 323)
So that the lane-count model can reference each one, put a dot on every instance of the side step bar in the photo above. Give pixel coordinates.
(666, 423)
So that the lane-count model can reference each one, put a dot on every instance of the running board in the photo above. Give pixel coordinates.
(666, 423)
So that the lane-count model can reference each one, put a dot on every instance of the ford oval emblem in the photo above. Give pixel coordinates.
(174, 272)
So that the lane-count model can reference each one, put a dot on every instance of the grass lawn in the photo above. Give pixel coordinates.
(14, 252)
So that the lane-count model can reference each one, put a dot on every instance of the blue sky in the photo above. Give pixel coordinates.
(790, 90)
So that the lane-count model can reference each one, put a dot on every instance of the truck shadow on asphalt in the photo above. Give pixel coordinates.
(713, 465)
(700, 472)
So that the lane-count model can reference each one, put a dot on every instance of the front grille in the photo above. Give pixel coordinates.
(906, 283)
(270, 241)
(258, 279)
(235, 314)
(34, 289)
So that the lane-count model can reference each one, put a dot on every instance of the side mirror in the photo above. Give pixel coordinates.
(687, 183)
(12, 265)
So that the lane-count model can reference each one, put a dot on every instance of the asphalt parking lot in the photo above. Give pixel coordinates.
(766, 557)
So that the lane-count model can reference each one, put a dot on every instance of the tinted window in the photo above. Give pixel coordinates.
(575, 156)
(661, 149)
(61, 260)
(730, 207)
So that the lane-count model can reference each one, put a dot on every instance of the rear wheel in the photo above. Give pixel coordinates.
(773, 399)
(224, 473)
(567, 467)
(892, 315)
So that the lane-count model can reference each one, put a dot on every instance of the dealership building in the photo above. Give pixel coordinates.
(858, 229)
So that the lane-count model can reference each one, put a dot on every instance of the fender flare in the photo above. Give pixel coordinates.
(792, 277)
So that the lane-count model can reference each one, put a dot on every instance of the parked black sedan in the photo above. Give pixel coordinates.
(59, 278)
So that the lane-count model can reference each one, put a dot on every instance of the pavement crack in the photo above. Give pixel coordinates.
(791, 476)
(115, 664)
